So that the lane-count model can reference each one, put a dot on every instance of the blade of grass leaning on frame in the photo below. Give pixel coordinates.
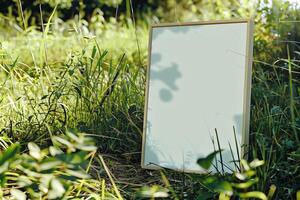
(216, 161)
(237, 147)
(220, 150)
(227, 167)
(233, 159)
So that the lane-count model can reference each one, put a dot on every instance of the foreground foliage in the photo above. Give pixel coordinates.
(58, 172)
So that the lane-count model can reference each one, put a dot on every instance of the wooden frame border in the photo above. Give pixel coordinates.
(247, 83)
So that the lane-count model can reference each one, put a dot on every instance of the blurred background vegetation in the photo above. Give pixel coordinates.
(81, 64)
(276, 21)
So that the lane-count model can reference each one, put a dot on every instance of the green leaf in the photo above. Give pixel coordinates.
(72, 135)
(9, 153)
(245, 165)
(24, 181)
(49, 164)
(204, 196)
(34, 150)
(78, 174)
(18, 194)
(246, 184)
(64, 142)
(2, 180)
(272, 191)
(4, 167)
(207, 161)
(67, 177)
(57, 189)
(77, 158)
(217, 185)
(154, 191)
(249, 173)
(94, 51)
(71, 72)
(44, 97)
(240, 176)
(223, 186)
(254, 194)
(45, 182)
(256, 163)
(88, 148)
(54, 151)
(224, 196)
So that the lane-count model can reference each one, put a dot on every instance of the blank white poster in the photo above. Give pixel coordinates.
(197, 83)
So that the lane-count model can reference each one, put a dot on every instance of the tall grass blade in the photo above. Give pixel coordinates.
(233, 159)
(21, 13)
(43, 51)
(216, 161)
(237, 147)
(111, 87)
(135, 32)
(220, 151)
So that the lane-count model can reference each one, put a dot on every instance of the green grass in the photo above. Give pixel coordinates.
(275, 125)
(69, 88)
(68, 77)
(50, 83)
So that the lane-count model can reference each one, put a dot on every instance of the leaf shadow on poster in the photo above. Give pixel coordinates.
(167, 75)
(174, 29)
